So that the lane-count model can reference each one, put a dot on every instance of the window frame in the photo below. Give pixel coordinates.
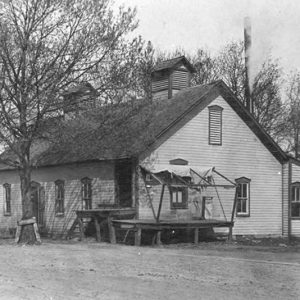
(7, 200)
(219, 109)
(295, 185)
(184, 196)
(86, 185)
(243, 181)
(59, 201)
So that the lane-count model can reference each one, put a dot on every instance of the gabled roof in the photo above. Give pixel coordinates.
(148, 127)
(173, 63)
(80, 89)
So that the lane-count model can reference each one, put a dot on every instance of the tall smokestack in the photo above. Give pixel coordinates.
(247, 43)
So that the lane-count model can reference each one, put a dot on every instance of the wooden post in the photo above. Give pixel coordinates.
(18, 232)
(160, 203)
(80, 229)
(32, 222)
(36, 232)
(232, 215)
(203, 207)
(97, 226)
(138, 236)
(111, 230)
(196, 235)
(158, 238)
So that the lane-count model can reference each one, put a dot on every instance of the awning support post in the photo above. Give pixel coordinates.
(160, 202)
(232, 214)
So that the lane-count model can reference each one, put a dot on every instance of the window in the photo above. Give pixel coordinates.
(179, 197)
(7, 199)
(243, 197)
(59, 197)
(215, 125)
(86, 192)
(295, 200)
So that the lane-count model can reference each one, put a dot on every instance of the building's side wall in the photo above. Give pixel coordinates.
(103, 191)
(240, 155)
(295, 222)
(285, 199)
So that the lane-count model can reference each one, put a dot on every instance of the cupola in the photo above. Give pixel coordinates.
(171, 76)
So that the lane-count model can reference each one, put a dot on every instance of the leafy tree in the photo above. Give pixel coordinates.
(47, 46)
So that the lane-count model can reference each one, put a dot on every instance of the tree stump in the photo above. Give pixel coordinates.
(27, 232)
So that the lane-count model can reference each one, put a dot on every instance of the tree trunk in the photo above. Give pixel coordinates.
(27, 235)
(296, 144)
(27, 205)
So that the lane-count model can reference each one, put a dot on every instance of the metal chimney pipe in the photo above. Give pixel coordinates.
(247, 44)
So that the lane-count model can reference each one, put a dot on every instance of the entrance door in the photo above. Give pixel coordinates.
(38, 204)
(123, 173)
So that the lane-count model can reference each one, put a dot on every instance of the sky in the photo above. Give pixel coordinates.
(210, 24)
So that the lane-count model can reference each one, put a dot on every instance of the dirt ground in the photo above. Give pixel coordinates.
(90, 270)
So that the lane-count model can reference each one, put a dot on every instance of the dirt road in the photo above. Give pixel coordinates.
(104, 271)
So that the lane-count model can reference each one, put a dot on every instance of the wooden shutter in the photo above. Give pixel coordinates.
(215, 125)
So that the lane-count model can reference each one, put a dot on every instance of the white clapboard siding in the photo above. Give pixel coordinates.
(285, 198)
(295, 228)
(241, 154)
(103, 191)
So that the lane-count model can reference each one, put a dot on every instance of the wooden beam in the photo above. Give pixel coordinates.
(234, 184)
(232, 214)
(160, 203)
(201, 177)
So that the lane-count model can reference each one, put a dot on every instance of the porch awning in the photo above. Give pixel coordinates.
(182, 171)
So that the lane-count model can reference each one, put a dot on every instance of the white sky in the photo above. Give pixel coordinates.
(209, 24)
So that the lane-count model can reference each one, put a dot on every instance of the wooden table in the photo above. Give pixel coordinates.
(101, 214)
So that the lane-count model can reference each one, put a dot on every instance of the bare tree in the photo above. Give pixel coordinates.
(206, 67)
(291, 124)
(47, 46)
(231, 68)
(266, 96)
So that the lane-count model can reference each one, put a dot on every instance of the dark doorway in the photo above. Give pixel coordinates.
(123, 173)
(38, 202)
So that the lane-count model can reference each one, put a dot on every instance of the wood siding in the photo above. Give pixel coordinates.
(161, 95)
(241, 155)
(285, 199)
(295, 222)
(103, 191)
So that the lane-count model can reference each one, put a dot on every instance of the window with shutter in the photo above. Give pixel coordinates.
(59, 197)
(215, 125)
(179, 197)
(86, 193)
(243, 197)
(7, 199)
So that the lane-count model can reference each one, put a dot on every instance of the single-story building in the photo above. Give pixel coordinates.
(201, 126)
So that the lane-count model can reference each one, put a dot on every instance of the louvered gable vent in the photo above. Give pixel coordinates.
(215, 125)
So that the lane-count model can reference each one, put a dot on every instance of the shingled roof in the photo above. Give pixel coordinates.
(150, 125)
(173, 63)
